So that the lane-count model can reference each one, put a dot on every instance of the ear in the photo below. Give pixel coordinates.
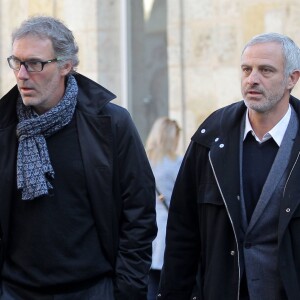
(293, 79)
(66, 68)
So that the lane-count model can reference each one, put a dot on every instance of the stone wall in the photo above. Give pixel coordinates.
(205, 40)
(184, 62)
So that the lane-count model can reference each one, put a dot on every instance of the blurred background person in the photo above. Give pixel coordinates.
(161, 148)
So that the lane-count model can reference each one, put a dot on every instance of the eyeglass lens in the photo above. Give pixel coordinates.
(31, 66)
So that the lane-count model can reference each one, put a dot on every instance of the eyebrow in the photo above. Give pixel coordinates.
(260, 66)
(28, 59)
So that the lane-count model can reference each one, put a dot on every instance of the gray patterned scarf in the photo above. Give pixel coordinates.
(33, 163)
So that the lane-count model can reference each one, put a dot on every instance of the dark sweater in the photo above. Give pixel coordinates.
(54, 245)
(257, 162)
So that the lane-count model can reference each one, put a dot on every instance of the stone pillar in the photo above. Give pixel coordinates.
(81, 18)
(107, 51)
(156, 97)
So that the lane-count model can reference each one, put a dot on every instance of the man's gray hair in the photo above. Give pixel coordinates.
(64, 44)
(290, 50)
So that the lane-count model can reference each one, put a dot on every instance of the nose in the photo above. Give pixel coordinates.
(253, 78)
(22, 73)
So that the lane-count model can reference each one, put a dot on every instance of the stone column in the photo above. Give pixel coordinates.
(156, 93)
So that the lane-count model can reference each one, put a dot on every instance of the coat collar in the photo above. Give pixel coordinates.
(92, 97)
(220, 124)
(221, 133)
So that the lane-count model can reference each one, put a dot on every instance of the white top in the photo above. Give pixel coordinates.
(165, 173)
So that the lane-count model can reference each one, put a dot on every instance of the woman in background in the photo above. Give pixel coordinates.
(161, 147)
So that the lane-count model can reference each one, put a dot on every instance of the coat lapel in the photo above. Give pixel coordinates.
(291, 200)
(96, 142)
(8, 182)
(278, 169)
(224, 158)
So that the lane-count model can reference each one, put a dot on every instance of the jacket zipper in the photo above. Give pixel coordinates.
(290, 173)
(235, 236)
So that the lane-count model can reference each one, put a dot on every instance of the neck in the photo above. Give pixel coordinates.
(264, 122)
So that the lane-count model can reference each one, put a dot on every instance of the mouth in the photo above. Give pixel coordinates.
(25, 89)
(253, 93)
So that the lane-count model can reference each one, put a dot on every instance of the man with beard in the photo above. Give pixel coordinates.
(234, 219)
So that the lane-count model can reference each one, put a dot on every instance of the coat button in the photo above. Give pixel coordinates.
(216, 139)
(221, 145)
(159, 295)
(232, 253)
(203, 130)
(288, 210)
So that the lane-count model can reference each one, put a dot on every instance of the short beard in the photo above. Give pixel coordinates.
(268, 103)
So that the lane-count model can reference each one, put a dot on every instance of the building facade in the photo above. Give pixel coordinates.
(160, 57)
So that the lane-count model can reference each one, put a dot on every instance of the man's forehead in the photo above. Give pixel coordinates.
(32, 36)
(32, 43)
(266, 47)
(265, 52)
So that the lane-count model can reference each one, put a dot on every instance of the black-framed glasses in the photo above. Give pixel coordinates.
(30, 65)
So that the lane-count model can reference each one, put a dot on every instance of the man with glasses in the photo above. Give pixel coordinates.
(77, 205)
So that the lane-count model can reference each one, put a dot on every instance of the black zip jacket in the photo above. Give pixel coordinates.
(204, 216)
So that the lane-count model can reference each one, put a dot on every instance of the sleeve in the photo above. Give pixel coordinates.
(182, 254)
(138, 219)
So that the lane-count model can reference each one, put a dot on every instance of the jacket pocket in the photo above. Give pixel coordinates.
(294, 229)
(296, 214)
(209, 194)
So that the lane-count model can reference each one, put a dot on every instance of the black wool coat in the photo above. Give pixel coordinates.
(116, 168)
(202, 242)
